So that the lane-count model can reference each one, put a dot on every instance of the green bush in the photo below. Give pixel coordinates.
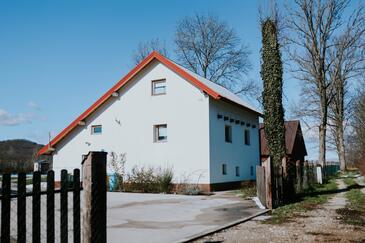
(142, 179)
(164, 179)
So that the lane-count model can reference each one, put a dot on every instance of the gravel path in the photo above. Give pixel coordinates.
(320, 225)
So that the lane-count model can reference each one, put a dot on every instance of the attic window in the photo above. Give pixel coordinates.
(159, 87)
(96, 129)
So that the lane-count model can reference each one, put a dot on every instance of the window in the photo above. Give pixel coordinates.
(96, 129)
(224, 169)
(160, 133)
(228, 134)
(251, 170)
(159, 87)
(237, 171)
(247, 137)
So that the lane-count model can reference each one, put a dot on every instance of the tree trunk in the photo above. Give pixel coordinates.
(323, 128)
(322, 145)
(341, 147)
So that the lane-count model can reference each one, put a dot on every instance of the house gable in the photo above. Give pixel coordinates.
(202, 85)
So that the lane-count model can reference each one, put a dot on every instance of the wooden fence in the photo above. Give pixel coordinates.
(260, 184)
(14, 205)
(21, 195)
(270, 190)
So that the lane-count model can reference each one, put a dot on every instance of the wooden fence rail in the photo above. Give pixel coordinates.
(20, 197)
(94, 213)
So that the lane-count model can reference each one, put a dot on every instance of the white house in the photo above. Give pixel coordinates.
(161, 114)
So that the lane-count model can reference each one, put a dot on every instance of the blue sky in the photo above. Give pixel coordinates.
(58, 57)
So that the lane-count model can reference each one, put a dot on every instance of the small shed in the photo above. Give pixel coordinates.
(295, 149)
(42, 165)
(294, 142)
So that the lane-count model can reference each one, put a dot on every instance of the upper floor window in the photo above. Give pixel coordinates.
(96, 129)
(159, 87)
(160, 133)
(247, 137)
(228, 134)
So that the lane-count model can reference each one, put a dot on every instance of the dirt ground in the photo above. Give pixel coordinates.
(320, 225)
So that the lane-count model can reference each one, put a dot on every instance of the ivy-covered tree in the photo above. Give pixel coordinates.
(272, 76)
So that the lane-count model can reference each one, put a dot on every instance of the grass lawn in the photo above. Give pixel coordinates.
(246, 192)
(310, 199)
(350, 181)
(354, 213)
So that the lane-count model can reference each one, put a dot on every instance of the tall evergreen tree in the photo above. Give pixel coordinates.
(272, 76)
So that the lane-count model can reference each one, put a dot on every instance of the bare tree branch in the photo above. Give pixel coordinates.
(212, 49)
(145, 48)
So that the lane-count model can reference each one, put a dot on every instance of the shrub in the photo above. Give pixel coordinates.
(164, 178)
(142, 179)
(186, 186)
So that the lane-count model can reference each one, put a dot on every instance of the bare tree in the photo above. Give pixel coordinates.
(313, 25)
(145, 48)
(212, 49)
(347, 59)
(356, 139)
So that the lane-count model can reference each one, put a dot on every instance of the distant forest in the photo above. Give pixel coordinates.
(19, 155)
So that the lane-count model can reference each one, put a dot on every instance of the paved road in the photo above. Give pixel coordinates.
(135, 217)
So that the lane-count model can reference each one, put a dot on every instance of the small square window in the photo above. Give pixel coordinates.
(251, 170)
(237, 171)
(96, 129)
(159, 87)
(224, 169)
(160, 133)
(228, 134)
(247, 137)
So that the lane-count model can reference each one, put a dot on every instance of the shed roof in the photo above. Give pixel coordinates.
(293, 132)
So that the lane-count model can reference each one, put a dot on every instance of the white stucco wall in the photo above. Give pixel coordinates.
(235, 153)
(185, 110)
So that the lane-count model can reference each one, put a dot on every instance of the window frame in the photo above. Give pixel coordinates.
(229, 140)
(252, 173)
(224, 169)
(247, 137)
(96, 126)
(156, 133)
(156, 81)
(237, 168)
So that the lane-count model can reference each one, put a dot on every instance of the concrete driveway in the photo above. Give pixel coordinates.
(137, 217)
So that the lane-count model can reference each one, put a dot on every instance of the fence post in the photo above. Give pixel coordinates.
(268, 183)
(64, 202)
(36, 208)
(76, 205)
(5, 208)
(94, 187)
(50, 207)
(21, 208)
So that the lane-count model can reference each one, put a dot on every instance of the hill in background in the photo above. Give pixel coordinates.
(19, 155)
